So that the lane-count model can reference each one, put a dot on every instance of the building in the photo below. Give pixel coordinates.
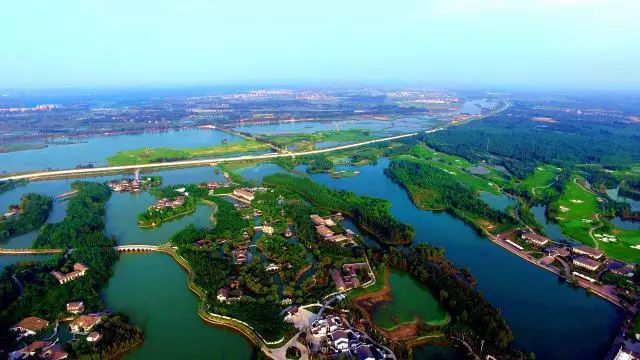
(29, 326)
(621, 268)
(84, 323)
(54, 353)
(30, 350)
(337, 238)
(223, 294)
(317, 219)
(75, 307)
(226, 295)
(624, 354)
(363, 352)
(535, 239)
(79, 269)
(337, 278)
(557, 251)
(94, 337)
(587, 263)
(324, 231)
(340, 340)
(245, 194)
(588, 251)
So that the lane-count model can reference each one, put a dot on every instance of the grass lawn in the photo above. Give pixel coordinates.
(154, 155)
(576, 212)
(543, 175)
(581, 204)
(461, 165)
(473, 182)
(305, 142)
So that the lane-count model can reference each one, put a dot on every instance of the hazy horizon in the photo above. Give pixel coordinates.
(561, 44)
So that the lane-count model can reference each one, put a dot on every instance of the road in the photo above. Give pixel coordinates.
(184, 163)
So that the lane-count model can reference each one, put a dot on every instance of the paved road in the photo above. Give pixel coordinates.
(200, 162)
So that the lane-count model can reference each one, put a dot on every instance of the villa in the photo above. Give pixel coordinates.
(84, 323)
(557, 251)
(226, 295)
(324, 231)
(588, 251)
(94, 337)
(340, 340)
(585, 262)
(75, 307)
(54, 352)
(79, 269)
(245, 194)
(316, 219)
(535, 239)
(29, 350)
(29, 326)
(363, 352)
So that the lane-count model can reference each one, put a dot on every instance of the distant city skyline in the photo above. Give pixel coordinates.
(573, 44)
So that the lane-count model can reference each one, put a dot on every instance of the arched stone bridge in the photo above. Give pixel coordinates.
(136, 248)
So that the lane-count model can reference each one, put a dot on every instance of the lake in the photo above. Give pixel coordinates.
(410, 301)
(152, 289)
(95, 150)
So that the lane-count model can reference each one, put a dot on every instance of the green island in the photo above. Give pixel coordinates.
(369, 213)
(432, 188)
(154, 155)
(60, 291)
(10, 184)
(29, 215)
(305, 142)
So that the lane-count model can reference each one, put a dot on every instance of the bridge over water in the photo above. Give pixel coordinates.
(120, 248)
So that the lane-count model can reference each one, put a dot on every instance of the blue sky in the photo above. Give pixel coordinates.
(535, 43)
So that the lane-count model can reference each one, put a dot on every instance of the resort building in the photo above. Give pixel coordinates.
(317, 219)
(29, 351)
(79, 269)
(337, 238)
(75, 307)
(84, 323)
(363, 352)
(94, 337)
(54, 352)
(585, 262)
(29, 326)
(535, 239)
(557, 251)
(621, 268)
(166, 203)
(245, 194)
(226, 295)
(624, 354)
(324, 231)
(588, 251)
(340, 340)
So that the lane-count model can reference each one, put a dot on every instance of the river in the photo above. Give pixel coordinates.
(547, 316)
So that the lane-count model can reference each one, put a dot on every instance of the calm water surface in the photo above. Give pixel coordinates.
(152, 289)
(96, 149)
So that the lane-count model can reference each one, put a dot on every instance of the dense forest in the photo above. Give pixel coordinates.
(370, 213)
(34, 210)
(515, 140)
(433, 188)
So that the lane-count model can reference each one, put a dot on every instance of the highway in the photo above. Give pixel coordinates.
(185, 163)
